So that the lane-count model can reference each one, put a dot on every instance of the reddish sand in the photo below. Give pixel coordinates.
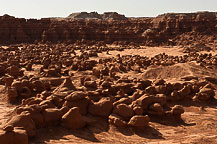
(199, 124)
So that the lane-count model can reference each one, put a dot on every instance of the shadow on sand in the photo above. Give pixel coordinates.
(88, 134)
(144, 132)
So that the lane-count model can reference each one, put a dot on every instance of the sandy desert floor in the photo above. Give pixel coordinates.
(198, 124)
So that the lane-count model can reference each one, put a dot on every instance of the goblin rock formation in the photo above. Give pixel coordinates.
(69, 88)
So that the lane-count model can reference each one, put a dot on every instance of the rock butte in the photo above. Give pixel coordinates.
(75, 74)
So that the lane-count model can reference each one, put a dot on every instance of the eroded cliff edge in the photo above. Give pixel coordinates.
(166, 29)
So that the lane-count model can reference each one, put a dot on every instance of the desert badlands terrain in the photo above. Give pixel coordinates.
(106, 78)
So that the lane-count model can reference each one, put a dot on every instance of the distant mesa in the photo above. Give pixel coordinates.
(95, 15)
(6, 16)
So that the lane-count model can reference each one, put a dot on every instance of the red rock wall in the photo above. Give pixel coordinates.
(168, 25)
(161, 28)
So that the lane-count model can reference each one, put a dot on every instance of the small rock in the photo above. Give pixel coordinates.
(116, 121)
(124, 111)
(177, 110)
(139, 121)
(101, 108)
(72, 119)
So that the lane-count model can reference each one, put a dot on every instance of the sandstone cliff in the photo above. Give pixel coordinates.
(164, 29)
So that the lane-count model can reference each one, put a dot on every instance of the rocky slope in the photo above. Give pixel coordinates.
(169, 29)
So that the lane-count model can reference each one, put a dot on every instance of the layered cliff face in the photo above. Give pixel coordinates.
(164, 29)
(17, 30)
(169, 25)
(178, 23)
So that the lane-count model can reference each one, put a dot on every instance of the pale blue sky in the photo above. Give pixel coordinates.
(141, 8)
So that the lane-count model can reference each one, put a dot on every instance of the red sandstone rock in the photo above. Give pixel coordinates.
(101, 108)
(72, 119)
(25, 121)
(139, 121)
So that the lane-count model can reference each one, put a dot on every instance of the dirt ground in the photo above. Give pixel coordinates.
(199, 125)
